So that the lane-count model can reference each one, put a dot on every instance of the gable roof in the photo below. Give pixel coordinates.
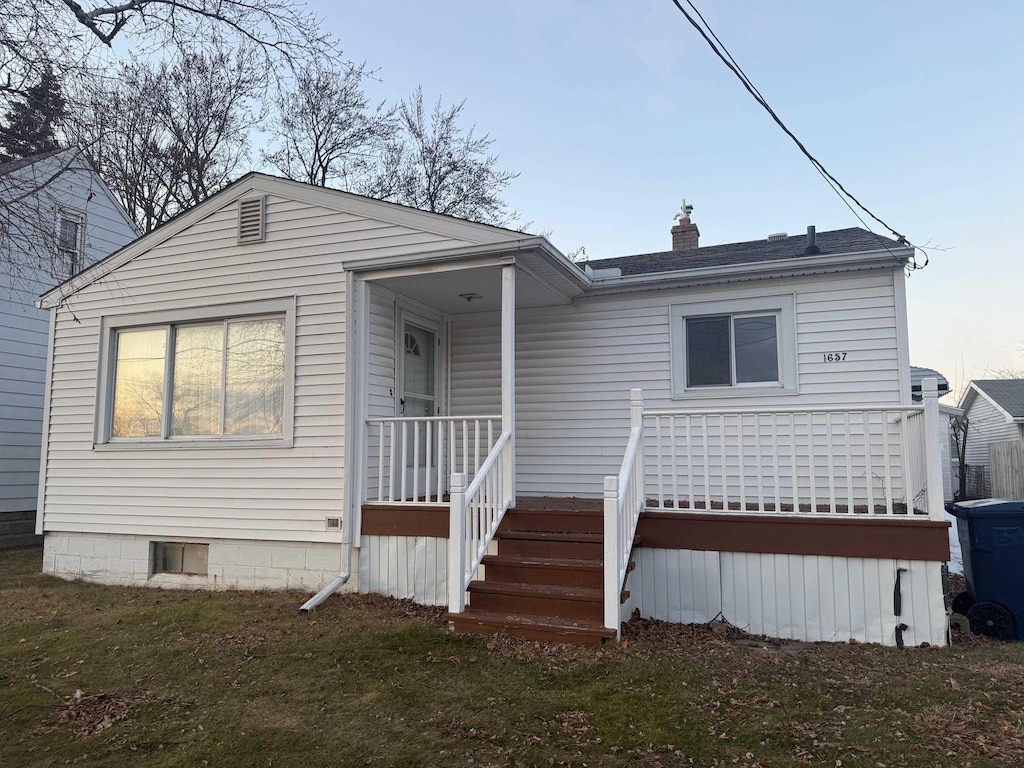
(839, 241)
(326, 197)
(1005, 394)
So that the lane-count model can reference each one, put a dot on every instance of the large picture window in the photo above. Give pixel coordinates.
(733, 347)
(199, 380)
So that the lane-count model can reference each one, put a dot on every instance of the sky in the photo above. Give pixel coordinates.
(613, 112)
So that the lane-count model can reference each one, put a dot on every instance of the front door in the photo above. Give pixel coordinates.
(418, 396)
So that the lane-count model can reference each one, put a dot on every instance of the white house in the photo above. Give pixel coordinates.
(56, 217)
(291, 386)
(995, 413)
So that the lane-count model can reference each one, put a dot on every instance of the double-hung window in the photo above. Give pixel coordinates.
(199, 380)
(733, 347)
(70, 246)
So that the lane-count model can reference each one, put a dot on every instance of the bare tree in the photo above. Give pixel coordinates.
(165, 137)
(81, 41)
(437, 165)
(324, 130)
(960, 426)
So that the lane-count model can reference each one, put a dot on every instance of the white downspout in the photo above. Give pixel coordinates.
(355, 292)
(338, 583)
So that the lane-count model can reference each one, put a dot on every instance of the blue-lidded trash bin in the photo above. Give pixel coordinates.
(991, 533)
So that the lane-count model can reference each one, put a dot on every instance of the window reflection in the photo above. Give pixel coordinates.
(255, 377)
(228, 379)
(139, 383)
(198, 360)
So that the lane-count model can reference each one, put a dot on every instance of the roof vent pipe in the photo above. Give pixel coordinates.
(811, 249)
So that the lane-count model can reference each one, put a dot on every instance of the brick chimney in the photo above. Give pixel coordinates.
(684, 234)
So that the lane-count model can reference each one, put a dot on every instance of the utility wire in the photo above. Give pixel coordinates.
(845, 195)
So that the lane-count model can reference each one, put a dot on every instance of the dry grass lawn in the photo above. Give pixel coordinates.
(107, 676)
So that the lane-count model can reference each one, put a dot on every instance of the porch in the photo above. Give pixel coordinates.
(791, 485)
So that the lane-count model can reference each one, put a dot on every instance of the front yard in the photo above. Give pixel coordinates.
(109, 676)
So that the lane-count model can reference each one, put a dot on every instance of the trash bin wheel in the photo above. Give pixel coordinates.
(962, 603)
(991, 620)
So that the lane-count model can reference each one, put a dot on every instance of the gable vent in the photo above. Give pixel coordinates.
(250, 220)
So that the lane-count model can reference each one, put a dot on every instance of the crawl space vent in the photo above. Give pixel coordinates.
(250, 220)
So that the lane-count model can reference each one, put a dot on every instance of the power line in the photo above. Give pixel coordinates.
(844, 194)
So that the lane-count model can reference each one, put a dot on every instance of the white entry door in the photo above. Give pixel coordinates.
(419, 395)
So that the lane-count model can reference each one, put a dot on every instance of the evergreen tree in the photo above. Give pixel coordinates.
(30, 125)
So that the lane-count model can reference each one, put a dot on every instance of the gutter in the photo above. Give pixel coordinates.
(743, 271)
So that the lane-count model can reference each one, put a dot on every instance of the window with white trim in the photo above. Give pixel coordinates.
(70, 244)
(734, 347)
(221, 379)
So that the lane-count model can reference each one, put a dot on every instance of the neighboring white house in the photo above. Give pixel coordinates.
(290, 386)
(56, 217)
(995, 413)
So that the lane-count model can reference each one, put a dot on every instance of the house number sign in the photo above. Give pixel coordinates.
(835, 357)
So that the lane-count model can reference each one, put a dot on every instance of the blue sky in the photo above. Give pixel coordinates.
(614, 111)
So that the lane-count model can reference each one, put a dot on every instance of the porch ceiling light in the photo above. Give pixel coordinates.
(470, 297)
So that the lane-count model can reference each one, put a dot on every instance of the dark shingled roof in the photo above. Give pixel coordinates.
(14, 165)
(838, 241)
(1009, 393)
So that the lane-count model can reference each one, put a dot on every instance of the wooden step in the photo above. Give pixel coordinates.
(555, 571)
(545, 544)
(553, 520)
(537, 600)
(530, 627)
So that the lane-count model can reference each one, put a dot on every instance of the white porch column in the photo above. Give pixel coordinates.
(932, 449)
(508, 375)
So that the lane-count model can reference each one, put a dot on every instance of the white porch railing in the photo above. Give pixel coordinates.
(624, 500)
(412, 458)
(476, 513)
(880, 460)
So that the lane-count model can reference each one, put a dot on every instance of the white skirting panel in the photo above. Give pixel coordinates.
(679, 585)
(407, 567)
(798, 597)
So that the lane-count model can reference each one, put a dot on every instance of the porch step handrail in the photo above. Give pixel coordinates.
(624, 500)
(437, 446)
(476, 513)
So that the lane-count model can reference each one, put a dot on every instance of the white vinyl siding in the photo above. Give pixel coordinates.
(986, 425)
(382, 367)
(267, 493)
(24, 329)
(576, 364)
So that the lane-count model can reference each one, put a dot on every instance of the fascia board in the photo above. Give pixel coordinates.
(374, 263)
(734, 272)
(346, 202)
(950, 410)
(508, 248)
